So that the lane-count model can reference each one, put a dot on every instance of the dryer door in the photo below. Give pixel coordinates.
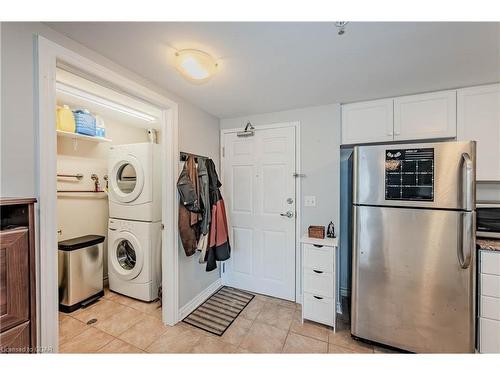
(126, 180)
(126, 256)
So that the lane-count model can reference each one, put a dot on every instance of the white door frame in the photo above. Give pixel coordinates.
(48, 54)
(298, 196)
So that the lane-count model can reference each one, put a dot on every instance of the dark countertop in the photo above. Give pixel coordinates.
(488, 244)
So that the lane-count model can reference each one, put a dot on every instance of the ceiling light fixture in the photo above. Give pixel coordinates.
(196, 66)
(340, 25)
(79, 94)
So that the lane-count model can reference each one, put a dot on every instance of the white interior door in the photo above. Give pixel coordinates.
(259, 190)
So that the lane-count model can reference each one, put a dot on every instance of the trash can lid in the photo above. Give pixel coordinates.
(80, 242)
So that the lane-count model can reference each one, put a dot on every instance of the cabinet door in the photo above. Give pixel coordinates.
(16, 340)
(14, 278)
(367, 122)
(479, 120)
(425, 116)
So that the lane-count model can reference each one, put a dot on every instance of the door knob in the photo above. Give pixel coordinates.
(288, 214)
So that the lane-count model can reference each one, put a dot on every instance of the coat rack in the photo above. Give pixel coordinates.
(184, 156)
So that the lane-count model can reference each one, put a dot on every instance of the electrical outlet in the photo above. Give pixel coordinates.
(309, 201)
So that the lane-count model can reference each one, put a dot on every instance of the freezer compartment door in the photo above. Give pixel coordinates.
(429, 175)
(414, 279)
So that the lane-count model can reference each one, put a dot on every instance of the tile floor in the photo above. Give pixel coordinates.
(266, 325)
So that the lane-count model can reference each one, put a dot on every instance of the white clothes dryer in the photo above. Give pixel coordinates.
(134, 191)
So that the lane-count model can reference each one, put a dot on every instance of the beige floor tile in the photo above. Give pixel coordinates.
(288, 304)
(70, 327)
(301, 344)
(212, 345)
(101, 310)
(263, 338)
(144, 332)
(125, 317)
(90, 341)
(237, 331)
(334, 349)
(344, 339)
(175, 340)
(119, 346)
(276, 316)
(253, 309)
(311, 329)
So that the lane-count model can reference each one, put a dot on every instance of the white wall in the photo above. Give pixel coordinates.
(320, 142)
(18, 132)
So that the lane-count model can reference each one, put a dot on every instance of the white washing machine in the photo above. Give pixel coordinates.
(134, 190)
(134, 258)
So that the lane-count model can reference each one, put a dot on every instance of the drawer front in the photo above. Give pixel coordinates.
(490, 307)
(319, 309)
(14, 278)
(489, 340)
(318, 282)
(318, 258)
(490, 262)
(490, 285)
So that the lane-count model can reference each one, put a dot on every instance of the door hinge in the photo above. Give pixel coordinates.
(223, 267)
(297, 175)
(223, 151)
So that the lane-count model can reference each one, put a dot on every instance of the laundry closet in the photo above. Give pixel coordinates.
(109, 171)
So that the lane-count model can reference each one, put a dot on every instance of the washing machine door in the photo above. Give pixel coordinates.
(127, 257)
(126, 180)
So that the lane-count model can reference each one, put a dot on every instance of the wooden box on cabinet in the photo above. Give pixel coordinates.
(319, 280)
(17, 276)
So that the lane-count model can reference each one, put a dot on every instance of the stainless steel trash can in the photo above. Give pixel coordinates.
(80, 271)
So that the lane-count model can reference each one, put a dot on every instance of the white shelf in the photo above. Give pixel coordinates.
(82, 137)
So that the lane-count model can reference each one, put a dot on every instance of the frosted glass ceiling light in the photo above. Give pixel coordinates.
(196, 66)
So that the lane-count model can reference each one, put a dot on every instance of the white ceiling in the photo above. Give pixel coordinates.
(267, 67)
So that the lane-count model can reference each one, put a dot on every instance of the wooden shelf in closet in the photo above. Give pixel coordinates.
(81, 137)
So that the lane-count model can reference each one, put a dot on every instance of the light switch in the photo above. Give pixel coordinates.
(309, 201)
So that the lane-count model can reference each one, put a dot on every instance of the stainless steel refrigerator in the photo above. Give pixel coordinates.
(413, 260)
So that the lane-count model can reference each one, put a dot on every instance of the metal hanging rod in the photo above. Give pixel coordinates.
(184, 156)
(78, 176)
(80, 191)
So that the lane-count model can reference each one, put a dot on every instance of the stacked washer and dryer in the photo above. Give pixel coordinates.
(134, 232)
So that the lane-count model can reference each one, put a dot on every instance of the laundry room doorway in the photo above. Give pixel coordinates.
(259, 178)
(107, 172)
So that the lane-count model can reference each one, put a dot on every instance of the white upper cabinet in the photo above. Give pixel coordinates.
(479, 120)
(367, 122)
(425, 116)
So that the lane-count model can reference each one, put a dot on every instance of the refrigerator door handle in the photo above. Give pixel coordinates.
(464, 251)
(468, 190)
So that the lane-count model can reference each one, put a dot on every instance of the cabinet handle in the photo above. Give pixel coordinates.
(318, 297)
(318, 271)
(317, 245)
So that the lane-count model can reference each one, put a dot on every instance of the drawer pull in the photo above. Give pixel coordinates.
(318, 297)
(317, 245)
(318, 271)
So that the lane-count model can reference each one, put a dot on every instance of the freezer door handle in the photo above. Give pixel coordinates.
(466, 243)
(468, 187)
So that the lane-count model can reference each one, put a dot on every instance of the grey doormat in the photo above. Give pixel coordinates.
(216, 314)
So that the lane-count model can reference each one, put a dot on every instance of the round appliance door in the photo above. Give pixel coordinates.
(126, 180)
(127, 257)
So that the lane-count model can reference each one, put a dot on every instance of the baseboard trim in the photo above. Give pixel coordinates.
(189, 307)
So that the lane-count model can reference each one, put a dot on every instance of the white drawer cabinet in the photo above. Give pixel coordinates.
(367, 122)
(319, 280)
(489, 301)
(478, 119)
(425, 116)
(489, 335)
